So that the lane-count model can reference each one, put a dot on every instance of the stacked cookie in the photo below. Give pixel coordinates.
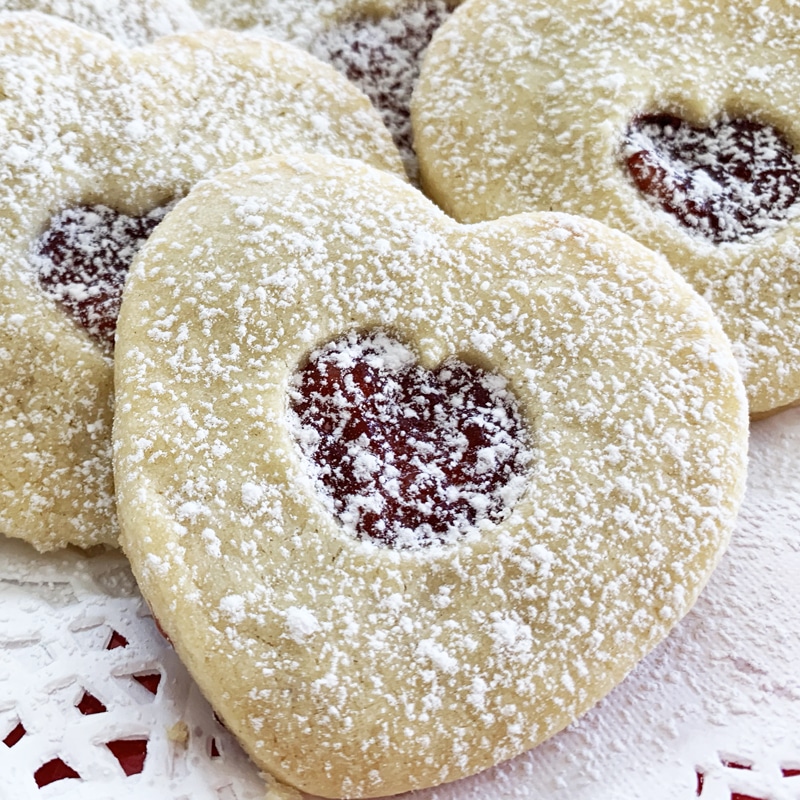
(408, 495)
(684, 140)
(91, 125)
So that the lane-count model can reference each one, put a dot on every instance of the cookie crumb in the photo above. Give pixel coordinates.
(179, 733)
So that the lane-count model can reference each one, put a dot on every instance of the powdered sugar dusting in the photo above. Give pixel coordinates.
(352, 649)
(301, 623)
(299, 22)
(721, 690)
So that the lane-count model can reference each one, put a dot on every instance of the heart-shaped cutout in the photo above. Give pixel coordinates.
(82, 260)
(408, 456)
(348, 668)
(727, 181)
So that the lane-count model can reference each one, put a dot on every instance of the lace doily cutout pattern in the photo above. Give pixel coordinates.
(93, 701)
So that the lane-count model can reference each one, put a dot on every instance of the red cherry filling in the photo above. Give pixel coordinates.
(726, 182)
(408, 456)
(382, 57)
(82, 260)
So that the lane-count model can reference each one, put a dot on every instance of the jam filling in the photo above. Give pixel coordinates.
(408, 457)
(725, 182)
(382, 57)
(82, 260)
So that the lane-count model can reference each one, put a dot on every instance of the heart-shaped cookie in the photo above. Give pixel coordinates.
(348, 667)
(87, 124)
(541, 107)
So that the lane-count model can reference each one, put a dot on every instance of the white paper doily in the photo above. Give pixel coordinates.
(713, 712)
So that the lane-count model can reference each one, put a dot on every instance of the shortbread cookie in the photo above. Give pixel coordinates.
(677, 123)
(129, 22)
(538, 450)
(96, 141)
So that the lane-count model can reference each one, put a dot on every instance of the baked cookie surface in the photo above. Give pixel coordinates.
(129, 23)
(84, 123)
(530, 106)
(363, 669)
